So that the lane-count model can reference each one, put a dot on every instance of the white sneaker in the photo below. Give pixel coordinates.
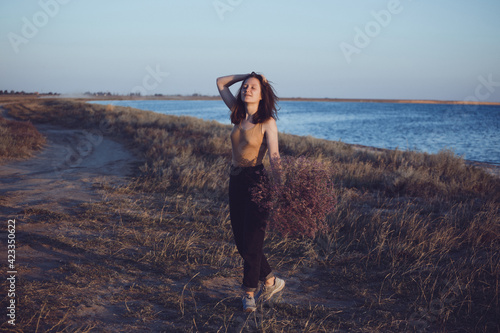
(267, 292)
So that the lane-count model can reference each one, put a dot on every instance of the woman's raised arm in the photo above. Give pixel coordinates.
(223, 84)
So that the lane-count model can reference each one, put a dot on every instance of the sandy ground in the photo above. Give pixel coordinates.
(63, 174)
(58, 178)
(68, 172)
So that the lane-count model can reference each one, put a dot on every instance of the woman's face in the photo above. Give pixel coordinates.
(251, 91)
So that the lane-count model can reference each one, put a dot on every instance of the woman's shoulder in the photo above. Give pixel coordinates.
(269, 124)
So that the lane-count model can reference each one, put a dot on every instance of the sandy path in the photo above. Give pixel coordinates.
(68, 172)
(62, 175)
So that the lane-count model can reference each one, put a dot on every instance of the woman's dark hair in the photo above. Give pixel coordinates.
(268, 105)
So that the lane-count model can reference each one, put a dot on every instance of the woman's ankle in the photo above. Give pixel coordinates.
(270, 282)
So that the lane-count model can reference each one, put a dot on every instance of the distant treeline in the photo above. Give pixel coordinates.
(137, 94)
(12, 92)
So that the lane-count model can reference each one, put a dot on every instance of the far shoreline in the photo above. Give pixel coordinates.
(195, 97)
(6, 98)
(285, 99)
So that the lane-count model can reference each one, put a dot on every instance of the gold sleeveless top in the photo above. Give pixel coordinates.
(249, 146)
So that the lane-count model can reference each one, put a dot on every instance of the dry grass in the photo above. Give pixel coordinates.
(414, 240)
(18, 139)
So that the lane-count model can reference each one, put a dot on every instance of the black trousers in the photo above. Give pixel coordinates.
(248, 222)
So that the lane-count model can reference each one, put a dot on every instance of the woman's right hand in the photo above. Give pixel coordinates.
(223, 84)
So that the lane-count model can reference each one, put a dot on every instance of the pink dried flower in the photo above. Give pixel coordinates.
(299, 196)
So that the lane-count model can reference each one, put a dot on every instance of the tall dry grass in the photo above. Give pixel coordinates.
(18, 139)
(413, 234)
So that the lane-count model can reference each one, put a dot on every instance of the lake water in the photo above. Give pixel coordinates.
(470, 131)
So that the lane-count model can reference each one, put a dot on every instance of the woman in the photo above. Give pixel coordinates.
(253, 113)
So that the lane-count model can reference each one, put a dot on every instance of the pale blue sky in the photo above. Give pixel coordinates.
(424, 49)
